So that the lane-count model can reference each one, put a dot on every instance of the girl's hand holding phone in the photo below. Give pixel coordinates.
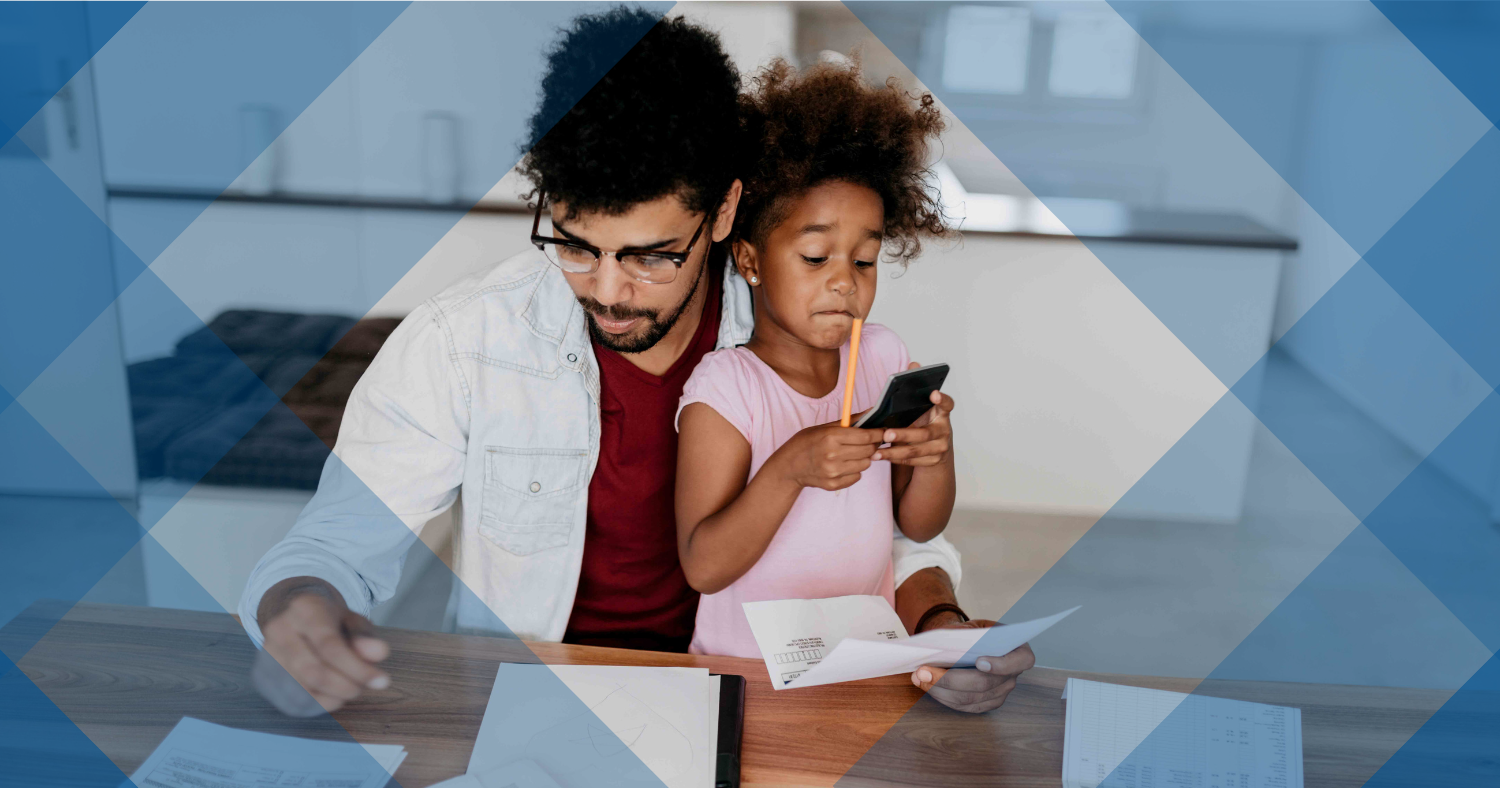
(830, 457)
(928, 441)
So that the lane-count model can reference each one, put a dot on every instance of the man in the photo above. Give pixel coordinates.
(545, 391)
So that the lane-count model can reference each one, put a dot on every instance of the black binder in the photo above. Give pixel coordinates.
(731, 730)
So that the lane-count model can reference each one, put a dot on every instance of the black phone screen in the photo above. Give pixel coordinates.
(907, 396)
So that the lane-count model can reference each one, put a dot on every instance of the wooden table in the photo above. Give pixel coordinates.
(126, 675)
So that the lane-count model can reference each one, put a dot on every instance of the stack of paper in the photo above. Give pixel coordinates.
(807, 642)
(597, 726)
(197, 754)
(1129, 736)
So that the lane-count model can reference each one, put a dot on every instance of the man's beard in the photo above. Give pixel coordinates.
(657, 327)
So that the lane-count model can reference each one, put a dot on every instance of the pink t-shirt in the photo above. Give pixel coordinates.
(831, 543)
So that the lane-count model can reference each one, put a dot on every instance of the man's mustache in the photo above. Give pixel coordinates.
(614, 311)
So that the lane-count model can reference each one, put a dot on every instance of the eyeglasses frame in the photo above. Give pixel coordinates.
(677, 258)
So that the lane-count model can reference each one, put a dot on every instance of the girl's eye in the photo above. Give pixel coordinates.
(864, 263)
(815, 260)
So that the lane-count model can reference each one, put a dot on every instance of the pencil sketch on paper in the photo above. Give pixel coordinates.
(631, 724)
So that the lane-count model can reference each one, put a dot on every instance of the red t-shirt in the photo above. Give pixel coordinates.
(632, 592)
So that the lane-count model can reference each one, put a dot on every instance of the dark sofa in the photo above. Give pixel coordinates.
(254, 398)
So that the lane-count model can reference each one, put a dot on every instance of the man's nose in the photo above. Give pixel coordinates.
(611, 284)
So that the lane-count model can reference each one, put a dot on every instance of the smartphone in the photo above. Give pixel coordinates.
(907, 396)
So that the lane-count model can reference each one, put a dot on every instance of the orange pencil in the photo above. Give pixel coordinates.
(849, 379)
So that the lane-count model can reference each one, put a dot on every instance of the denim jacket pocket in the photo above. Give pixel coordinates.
(530, 497)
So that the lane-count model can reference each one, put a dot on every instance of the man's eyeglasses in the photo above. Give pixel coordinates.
(647, 265)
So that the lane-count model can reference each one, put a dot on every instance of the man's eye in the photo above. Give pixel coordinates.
(649, 260)
(815, 260)
(573, 254)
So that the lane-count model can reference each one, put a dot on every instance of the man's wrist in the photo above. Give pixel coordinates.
(279, 596)
(945, 619)
(939, 616)
(920, 591)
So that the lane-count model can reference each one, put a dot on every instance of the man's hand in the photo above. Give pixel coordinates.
(976, 690)
(320, 642)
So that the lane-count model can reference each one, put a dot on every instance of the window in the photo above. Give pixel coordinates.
(1043, 61)
(1093, 56)
(986, 49)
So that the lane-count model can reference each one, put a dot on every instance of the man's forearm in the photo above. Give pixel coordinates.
(277, 597)
(925, 588)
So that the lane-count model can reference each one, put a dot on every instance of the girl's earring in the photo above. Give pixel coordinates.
(754, 280)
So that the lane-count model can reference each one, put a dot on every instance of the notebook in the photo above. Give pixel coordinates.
(1129, 737)
(731, 730)
(604, 722)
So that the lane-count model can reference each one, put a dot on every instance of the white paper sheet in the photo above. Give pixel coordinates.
(198, 753)
(808, 642)
(666, 717)
(796, 634)
(1154, 736)
(520, 774)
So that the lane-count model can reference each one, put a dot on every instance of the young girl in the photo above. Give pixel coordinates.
(774, 499)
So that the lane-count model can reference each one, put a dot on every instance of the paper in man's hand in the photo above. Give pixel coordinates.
(807, 642)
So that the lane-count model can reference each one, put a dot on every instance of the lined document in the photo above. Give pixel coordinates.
(198, 754)
(1130, 737)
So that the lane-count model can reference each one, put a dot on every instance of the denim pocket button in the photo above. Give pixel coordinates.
(526, 517)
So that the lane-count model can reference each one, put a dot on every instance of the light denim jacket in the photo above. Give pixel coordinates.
(489, 389)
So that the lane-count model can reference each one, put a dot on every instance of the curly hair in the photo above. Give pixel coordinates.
(659, 121)
(826, 124)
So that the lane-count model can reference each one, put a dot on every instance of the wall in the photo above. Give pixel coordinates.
(1366, 181)
(752, 33)
(1068, 388)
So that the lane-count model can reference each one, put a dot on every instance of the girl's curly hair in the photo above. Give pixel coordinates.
(826, 124)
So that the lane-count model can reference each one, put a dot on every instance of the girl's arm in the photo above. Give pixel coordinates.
(922, 472)
(724, 524)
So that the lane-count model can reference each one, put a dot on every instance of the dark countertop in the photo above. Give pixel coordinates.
(1020, 217)
(1196, 229)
